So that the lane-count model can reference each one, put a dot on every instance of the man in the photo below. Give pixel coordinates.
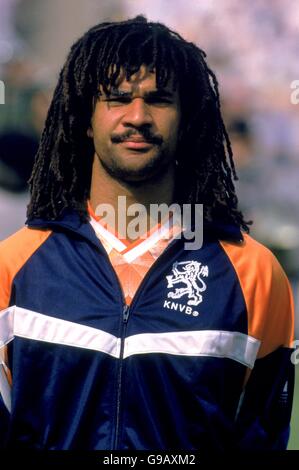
(113, 342)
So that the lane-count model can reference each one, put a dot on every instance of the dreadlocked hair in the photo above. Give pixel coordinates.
(61, 176)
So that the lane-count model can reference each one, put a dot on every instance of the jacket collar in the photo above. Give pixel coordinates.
(70, 221)
(222, 231)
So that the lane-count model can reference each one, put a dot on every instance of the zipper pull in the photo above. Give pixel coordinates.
(126, 312)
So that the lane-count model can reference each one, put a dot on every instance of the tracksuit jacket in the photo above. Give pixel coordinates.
(200, 360)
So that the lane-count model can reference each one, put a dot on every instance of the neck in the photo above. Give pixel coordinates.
(106, 190)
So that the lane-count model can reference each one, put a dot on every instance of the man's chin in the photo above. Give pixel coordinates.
(136, 176)
(131, 173)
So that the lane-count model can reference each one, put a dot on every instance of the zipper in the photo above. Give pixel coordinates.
(124, 321)
(125, 317)
(126, 312)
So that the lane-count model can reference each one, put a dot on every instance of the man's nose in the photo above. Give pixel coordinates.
(137, 113)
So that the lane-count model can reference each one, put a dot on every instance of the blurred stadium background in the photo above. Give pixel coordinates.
(253, 48)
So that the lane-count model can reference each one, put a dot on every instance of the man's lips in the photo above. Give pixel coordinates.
(138, 141)
(136, 144)
(135, 138)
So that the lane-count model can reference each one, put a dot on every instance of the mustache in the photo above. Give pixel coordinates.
(145, 133)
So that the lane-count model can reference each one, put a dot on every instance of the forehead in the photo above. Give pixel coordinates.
(143, 79)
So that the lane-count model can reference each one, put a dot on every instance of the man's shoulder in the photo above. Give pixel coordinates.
(21, 245)
(254, 260)
(250, 250)
(14, 253)
(13, 238)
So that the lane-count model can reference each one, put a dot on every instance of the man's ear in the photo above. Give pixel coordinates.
(89, 132)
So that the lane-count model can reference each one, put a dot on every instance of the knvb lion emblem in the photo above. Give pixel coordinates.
(188, 274)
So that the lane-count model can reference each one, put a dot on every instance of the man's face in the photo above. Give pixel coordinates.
(135, 128)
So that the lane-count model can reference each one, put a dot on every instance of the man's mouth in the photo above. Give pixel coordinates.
(135, 143)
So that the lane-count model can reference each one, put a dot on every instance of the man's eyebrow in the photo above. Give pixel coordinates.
(160, 92)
